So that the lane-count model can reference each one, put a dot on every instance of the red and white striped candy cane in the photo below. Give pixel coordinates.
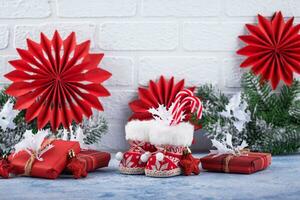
(195, 103)
(180, 111)
(188, 103)
(181, 95)
(186, 100)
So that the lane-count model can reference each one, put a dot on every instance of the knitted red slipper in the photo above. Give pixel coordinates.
(134, 160)
(171, 142)
(165, 163)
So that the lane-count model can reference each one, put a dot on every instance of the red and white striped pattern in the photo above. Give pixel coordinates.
(185, 101)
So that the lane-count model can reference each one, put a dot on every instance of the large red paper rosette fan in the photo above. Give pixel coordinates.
(162, 92)
(273, 49)
(57, 81)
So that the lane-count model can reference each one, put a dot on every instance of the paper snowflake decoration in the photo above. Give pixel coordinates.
(57, 81)
(226, 146)
(33, 144)
(7, 116)
(74, 135)
(185, 103)
(272, 49)
(161, 113)
(158, 93)
(236, 109)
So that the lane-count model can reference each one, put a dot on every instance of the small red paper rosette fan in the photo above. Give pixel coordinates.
(158, 93)
(163, 92)
(57, 81)
(273, 49)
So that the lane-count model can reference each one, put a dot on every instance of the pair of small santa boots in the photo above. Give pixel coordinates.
(156, 149)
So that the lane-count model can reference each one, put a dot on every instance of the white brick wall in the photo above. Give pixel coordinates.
(186, 67)
(4, 36)
(192, 8)
(96, 8)
(138, 36)
(15, 9)
(84, 31)
(142, 39)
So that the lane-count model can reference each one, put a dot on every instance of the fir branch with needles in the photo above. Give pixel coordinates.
(94, 129)
(274, 124)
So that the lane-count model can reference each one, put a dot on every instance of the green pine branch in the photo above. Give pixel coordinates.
(94, 129)
(280, 112)
(275, 115)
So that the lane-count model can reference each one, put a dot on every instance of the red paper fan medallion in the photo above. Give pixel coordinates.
(273, 49)
(158, 93)
(57, 81)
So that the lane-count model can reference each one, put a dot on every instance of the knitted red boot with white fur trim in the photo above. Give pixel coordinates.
(171, 142)
(165, 163)
(134, 160)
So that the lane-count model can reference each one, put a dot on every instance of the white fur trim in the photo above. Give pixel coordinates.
(178, 135)
(138, 130)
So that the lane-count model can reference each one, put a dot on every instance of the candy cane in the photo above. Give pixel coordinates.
(179, 106)
(194, 103)
(179, 112)
(181, 95)
(200, 108)
(184, 100)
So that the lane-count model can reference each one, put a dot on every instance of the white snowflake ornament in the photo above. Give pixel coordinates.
(32, 144)
(7, 115)
(226, 147)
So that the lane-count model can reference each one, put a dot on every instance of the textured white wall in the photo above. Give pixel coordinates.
(142, 39)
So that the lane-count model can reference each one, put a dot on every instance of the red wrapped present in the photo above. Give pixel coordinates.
(246, 163)
(52, 164)
(93, 159)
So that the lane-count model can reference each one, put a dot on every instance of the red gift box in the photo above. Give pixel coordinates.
(93, 159)
(244, 164)
(54, 160)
